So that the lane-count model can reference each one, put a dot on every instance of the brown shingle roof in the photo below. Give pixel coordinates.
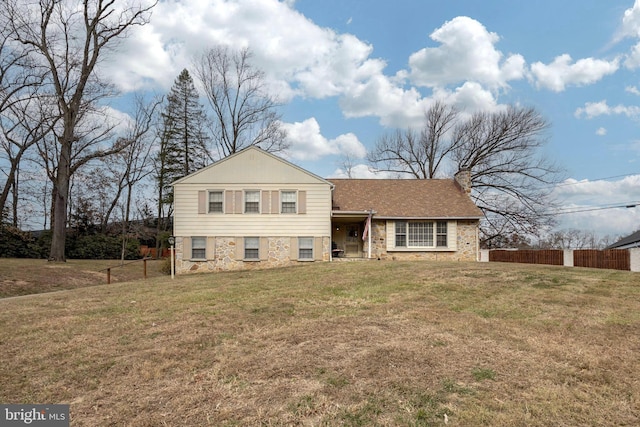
(410, 198)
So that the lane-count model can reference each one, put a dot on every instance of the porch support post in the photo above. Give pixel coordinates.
(370, 233)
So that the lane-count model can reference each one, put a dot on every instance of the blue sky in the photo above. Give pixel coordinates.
(348, 71)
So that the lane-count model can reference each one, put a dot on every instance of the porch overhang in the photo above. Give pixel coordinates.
(350, 215)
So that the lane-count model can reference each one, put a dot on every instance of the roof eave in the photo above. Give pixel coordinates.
(396, 217)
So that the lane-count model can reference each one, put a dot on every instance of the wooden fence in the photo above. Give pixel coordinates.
(148, 252)
(618, 259)
(546, 256)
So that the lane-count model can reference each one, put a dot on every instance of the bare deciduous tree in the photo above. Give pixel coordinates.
(133, 163)
(573, 239)
(418, 153)
(244, 113)
(136, 158)
(511, 179)
(69, 37)
(22, 123)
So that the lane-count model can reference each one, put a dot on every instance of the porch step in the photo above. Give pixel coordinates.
(350, 259)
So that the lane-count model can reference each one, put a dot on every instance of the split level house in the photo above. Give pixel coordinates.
(254, 209)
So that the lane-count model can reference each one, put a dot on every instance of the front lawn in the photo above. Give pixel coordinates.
(359, 344)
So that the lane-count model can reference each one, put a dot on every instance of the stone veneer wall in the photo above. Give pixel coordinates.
(467, 242)
(225, 256)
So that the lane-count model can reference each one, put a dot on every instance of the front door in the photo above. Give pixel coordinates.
(352, 247)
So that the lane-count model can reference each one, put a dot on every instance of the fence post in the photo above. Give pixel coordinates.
(634, 259)
(144, 261)
(568, 257)
(108, 276)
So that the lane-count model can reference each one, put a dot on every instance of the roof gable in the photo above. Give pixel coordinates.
(252, 165)
(404, 198)
(629, 240)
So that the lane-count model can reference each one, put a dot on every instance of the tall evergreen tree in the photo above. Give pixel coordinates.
(183, 141)
(184, 123)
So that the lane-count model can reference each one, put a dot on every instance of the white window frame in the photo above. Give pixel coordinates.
(250, 245)
(246, 195)
(440, 234)
(294, 193)
(419, 234)
(306, 244)
(400, 234)
(201, 247)
(209, 193)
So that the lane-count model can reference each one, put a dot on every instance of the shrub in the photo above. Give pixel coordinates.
(165, 267)
(15, 243)
(101, 246)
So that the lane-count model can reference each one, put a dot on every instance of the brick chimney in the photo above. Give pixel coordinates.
(463, 178)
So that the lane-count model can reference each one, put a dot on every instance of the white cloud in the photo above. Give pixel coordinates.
(632, 60)
(302, 59)
(297, 56)
(595, 109)
(632, 89)
(562, 72)
(307, 143)
(601, 131)
(595, 205)
(379, 96)
(469, 98)
(466, 52)
(630, 22)
(631, 28)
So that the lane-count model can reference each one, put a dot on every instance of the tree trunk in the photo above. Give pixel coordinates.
(125, 221)
(14, 195)
(60, 202)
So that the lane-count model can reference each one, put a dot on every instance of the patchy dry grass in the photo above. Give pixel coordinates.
(32, 276)
(358, 344)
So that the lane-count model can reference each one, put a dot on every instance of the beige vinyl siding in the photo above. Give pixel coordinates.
(314, 200)
(251, 166)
